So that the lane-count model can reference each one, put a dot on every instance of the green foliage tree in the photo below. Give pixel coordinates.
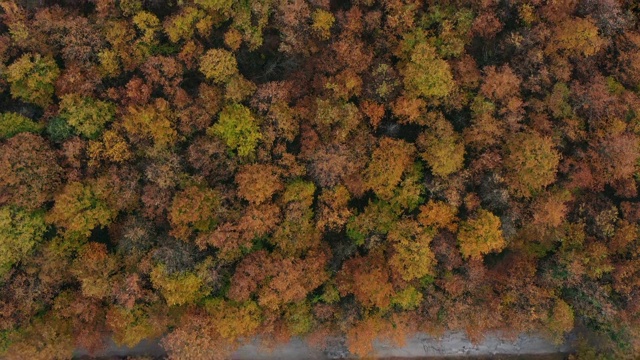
(377, 217)
(58, 130)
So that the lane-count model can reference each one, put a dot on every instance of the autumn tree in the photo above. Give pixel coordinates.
(131, 326)
(560, 321)
(218, 65)
(184, 24)
(20, 231)
(45, 338)
(576, 37)
(336, 119)
(500, 84)
(32, 77)
(322, 22)
(234, 320)
(179, 288)
(426, 74)
(412, 258)
(377, 218)
(238, 128)
(195, 337)
(212, 171)
(154, 122)
(149, 24)
(79, 208)
(297, 232)
(442, 148)
(13, 123)
(485, 130)
(87, 115)
(193, 209)
(334, 209)
(619, 155)
(410, 193)
(480, 235)
(112, 147)
(388, 162)
(278, 280)
(438, 215)
(368, 279)
(531, 162)
(362, 335)
(29, 172)
(93, 268)
(257, 183)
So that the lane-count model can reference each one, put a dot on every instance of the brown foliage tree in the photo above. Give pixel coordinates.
(29, 172)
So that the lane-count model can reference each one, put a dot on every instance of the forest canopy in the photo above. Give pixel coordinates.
(208, 172)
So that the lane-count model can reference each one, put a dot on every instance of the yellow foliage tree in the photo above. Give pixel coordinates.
(389, 161)
(443, 148)
(234, 319)
(32, 78)
(179, 288)
(560, 320)
(577, 37)
(131, 326)
(480, 235)
(439, 215)
(238, 128)
(80, 208)
(531, 162)
(412, 258)
(322, 23)
(87, 115)
(218, 65)
(426, 74)
(154, 121)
